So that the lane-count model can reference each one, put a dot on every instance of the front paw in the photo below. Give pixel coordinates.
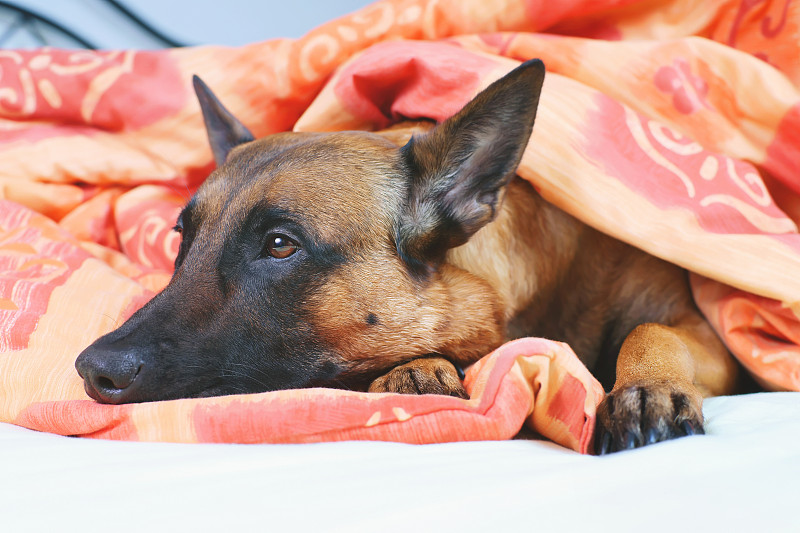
(430, 375)
(638, 415)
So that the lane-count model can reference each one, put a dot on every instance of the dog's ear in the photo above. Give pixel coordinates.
(460, 168)
(224, 130)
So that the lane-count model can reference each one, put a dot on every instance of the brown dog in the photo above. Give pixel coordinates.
(358, 259)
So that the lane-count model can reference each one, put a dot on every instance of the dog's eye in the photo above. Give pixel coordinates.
(280, 246)
(178, 227)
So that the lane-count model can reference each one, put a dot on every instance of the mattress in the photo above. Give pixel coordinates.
(741, 476)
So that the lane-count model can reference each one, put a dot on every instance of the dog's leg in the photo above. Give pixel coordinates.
(663, 373)
(427, 375)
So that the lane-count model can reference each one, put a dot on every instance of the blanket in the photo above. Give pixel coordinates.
(669, 124)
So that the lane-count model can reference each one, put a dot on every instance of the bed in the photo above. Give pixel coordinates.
(671, 125)
(741, 476)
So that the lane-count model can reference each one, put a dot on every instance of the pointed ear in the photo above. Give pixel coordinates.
(459, 170)
(224, 130)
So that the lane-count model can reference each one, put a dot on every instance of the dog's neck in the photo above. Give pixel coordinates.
(521, 257)
(524, 252)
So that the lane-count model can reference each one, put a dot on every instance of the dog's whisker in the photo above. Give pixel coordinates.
(253, 367)
(231, 373)
(198, 367)
(339, 384)
(113, 319)
(186, 196)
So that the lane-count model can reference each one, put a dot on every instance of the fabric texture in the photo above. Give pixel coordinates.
(671, 124)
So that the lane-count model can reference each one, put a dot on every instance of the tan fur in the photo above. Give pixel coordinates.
(310, 185)
(533, 271)
(444, 255)
(555, 277)
(528, 236)
(457, 314)
(429, 375)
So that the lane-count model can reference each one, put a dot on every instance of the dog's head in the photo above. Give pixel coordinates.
(308, 258)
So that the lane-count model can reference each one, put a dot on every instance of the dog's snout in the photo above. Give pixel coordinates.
(110, 375)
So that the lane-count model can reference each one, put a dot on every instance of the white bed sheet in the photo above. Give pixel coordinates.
(744, 475)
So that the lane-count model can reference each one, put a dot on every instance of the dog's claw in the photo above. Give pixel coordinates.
(689, 429)
(630, 441)
(640, 415)
(604, 444)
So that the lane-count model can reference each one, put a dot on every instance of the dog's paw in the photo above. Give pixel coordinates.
(430, 375)
(639, 415)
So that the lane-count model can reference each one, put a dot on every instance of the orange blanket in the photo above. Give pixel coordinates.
(670, 124)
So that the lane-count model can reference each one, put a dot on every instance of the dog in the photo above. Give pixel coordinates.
(388, 261)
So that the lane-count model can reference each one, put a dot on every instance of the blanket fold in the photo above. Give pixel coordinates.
(672, 125)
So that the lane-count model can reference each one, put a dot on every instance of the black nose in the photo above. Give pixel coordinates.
(110, 375)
